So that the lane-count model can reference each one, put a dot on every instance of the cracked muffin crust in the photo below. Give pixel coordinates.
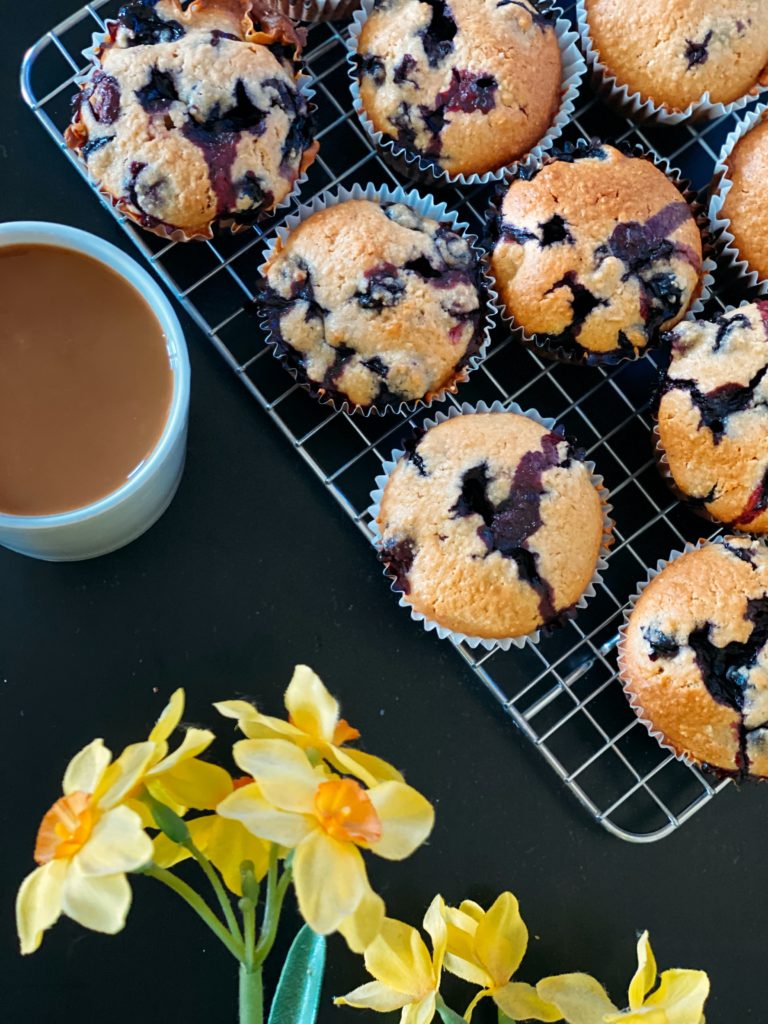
(673, 51)
(373, 304)
(712, 417)
(491, 525)
(595, 252)
(746, 202)
(694, 657)
(470, 85)
(193, 116)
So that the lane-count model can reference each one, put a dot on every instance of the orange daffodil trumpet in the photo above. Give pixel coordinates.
(315, 725)
(679, 998)
(406, 976)
(326, 820)
(86, 844)
(486, 948)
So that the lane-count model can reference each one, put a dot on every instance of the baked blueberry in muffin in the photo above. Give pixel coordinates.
(491, 525)
(374, 305)
(673, 52)
(193, 116)
(712, 417)
(594, 253)
(468, 85)
(746, 201)
(694, 657)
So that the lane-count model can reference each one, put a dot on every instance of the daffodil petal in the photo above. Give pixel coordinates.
(364, 924)
(435, 927)
(227, 844)
(169, 718)
(373, 996)
(398, 958)
(406, 819)
(195, 742)
(283, 772)
(100, 903)
(310, 705)
(256, 726)
(522, 1002)
(502, 939)
(166, 853)
(85, 770)
(472, 909)
(125, 774)
(679, 999)
(118, 843)
(578, 997)
(192, 783)
(330, 880)
(421, 1012)
(461, 956)
(645, 976)
(248, 806)
(369, 769)
(38, 903)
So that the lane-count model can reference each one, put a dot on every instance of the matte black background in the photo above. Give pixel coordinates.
(253, 568)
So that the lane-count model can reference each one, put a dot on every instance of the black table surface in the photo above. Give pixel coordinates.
(254, 568)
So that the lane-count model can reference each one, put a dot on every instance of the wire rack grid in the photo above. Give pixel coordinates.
(562, 693)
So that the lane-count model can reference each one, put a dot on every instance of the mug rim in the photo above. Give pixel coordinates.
(63, 236)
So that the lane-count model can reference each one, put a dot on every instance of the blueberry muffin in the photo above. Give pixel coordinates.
(672, 52)
(594, 253)
(193, 116)
(746, 202)
(712, 417)
(694, 657)
(468, 85)
(373, 305)
(491, 525)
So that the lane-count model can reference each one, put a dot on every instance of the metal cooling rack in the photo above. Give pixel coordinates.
(564, 693)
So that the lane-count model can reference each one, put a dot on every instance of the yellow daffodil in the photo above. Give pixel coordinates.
(406, 977)
(486, 948)
(314, 725)
(326, 820)
(85, 846)
(178, 779)
(225, 842)
(679, 998)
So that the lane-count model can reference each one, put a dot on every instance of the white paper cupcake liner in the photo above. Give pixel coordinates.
(424, 205)
(721, 186)
(303, 84)
(415, 166)
(543, 344)
(632, 105)
(462, 638)
(314, 11)
(634, 703)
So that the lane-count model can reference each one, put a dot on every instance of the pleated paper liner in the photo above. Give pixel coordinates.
(547, 346)
(420, 169)
(315, 11)
(721, 185)
(504, 643)
(632, 105)
(426, 206)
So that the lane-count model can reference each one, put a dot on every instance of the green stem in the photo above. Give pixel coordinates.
(251, 997)
(504, 1019)
(199, 905)
(248, 909)
(218, 888)
(276, 891)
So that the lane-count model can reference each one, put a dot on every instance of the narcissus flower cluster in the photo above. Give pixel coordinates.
(303, 809)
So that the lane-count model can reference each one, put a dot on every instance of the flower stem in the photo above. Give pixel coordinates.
(218, 888)
(248, 909)
(251, 997)
(276, 891)
(199, 905)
